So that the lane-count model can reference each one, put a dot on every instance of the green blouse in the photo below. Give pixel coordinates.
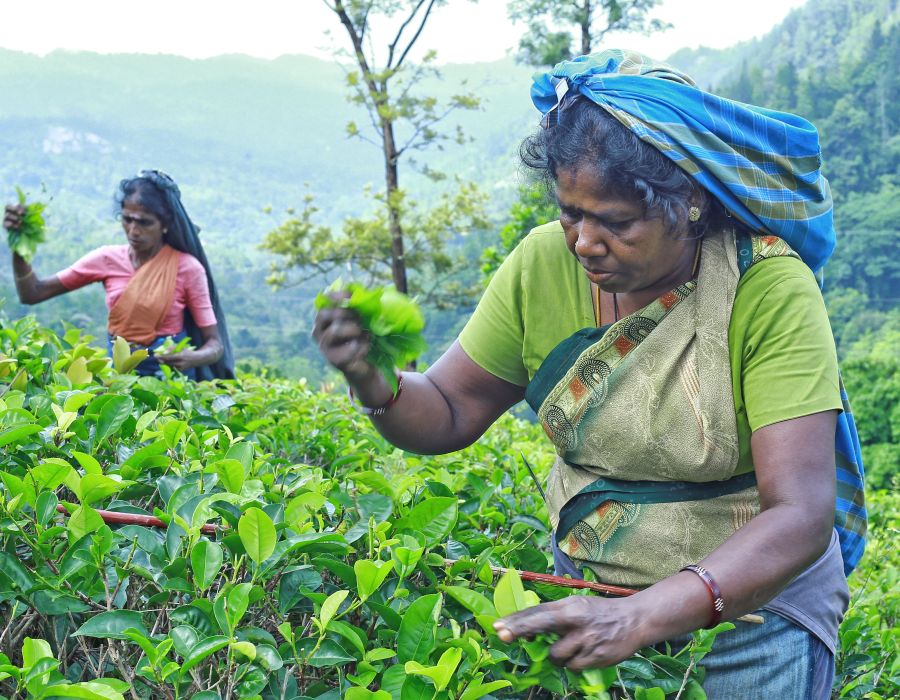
(783, 359)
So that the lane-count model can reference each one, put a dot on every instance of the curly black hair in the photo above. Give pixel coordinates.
(582, 134)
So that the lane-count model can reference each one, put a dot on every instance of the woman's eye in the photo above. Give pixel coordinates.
(619, 226)
(568, 214)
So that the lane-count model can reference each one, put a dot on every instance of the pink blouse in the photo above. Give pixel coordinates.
(111, 265)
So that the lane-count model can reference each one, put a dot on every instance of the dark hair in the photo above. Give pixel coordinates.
(586, 136)
(147, 194)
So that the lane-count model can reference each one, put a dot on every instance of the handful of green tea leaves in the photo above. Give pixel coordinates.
(24, 240)
(393, 320)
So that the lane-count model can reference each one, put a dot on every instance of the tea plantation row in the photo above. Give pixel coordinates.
(304, 557)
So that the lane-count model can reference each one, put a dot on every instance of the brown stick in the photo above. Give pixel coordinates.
(136, 519)
(590, 585)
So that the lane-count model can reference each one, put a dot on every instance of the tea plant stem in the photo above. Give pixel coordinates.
(127, 564)
(622, 683)
(15, 640)
(12, 617)
(127, 675)
(84, 648)
(687, 676)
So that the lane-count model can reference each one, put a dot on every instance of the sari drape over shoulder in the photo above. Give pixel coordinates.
(643, 419)
(140, 310)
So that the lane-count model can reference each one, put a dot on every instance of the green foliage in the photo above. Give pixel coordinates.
(335, 565)
(868, 663)
(534, 207)
(393, 321)
(25, 239)
(437, 265)
(589, 21)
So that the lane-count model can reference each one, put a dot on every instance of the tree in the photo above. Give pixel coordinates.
(401, 119)
(364, 243)
(590, 21)
(534, 207)
(786, 84)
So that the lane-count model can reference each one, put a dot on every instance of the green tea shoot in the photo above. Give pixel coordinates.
(25, 239)
(393, 321)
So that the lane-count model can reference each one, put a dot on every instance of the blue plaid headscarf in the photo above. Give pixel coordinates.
(762, 165)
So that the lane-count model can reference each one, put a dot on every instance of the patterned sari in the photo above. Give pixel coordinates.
(642, 416)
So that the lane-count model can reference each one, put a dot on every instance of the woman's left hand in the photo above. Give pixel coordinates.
(594, 632)
(186, 359)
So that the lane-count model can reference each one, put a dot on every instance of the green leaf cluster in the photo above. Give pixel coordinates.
(25, 239)
(393, 321)
(303, 556)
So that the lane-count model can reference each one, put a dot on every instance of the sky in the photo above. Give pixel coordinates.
(461, 32)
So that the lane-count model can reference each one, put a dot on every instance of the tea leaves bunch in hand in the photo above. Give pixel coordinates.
(25, 239)
(393, 321)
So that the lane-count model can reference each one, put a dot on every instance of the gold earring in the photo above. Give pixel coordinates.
(694, 214)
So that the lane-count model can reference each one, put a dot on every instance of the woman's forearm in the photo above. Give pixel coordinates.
(211, 351)
(31, 288)
(420, 421)
(751, 568)
(27, 282)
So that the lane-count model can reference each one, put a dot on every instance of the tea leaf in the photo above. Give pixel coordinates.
(330, 653)
(112, 625)
(509, 596)
(471, 600)
(370, 575)
(203, 649)
(18, 574)
(257, 534)
(433, 519)
(206, 562)
(478, 690)
(113, 415)
(418, 630)
(330, 607)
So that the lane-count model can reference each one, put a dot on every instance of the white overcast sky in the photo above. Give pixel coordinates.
(460, 32)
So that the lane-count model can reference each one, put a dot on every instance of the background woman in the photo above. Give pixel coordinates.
(678, 354)
(158, 286)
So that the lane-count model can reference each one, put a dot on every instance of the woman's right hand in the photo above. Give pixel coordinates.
(344, 343)
(12, 216)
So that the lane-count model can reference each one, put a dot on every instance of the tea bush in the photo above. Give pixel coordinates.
(304, 557)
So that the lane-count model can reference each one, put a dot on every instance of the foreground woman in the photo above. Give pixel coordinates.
(670, 334)
(159, 286)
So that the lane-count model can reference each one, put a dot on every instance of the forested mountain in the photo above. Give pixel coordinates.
(816, 37)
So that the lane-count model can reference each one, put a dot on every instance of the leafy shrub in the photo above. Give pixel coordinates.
(304, 557)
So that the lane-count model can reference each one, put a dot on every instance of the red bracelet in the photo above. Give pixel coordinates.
(383, 408)
(715, 593)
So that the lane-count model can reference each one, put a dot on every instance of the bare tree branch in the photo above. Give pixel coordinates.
(416, 37)
(400, 31)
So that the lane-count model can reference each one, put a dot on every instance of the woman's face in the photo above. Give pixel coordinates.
(619, 250)
(142, 227)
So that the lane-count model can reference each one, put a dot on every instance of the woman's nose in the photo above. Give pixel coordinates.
(590, 242)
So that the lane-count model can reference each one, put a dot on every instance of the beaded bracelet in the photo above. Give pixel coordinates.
(383, 408)
(715, 593)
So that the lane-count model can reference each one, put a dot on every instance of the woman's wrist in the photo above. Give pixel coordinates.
(370, 389)
(674, 606)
